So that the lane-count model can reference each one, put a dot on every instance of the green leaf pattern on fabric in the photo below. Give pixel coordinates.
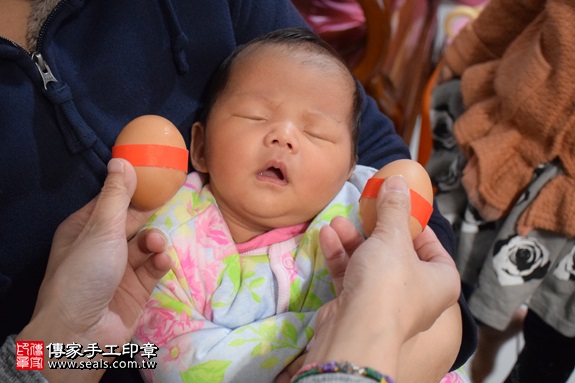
(234, 315)
(209, 372)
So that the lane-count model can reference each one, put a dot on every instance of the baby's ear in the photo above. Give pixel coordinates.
(198, 148)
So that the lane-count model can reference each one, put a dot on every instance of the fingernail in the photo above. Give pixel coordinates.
(115, 166)
(396, 183)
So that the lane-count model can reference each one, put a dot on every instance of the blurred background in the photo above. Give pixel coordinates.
(394, 47)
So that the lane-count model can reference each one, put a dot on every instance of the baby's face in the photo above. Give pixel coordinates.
(278, 141)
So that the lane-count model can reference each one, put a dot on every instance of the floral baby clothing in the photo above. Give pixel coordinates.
(231, 312)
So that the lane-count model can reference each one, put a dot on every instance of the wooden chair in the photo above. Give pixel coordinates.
(397, 57)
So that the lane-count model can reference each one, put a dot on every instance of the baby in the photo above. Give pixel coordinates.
(275, 158)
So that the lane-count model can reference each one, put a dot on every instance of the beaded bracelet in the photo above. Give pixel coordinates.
(345, 368)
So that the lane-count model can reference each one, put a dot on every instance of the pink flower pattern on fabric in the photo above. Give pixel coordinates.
(163, 325)
(225, 306)
(200, 272)
(212, 233)
(454, 377)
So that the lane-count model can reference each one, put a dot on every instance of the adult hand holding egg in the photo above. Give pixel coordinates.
(384, 280)
(421, 193)
(96, 283)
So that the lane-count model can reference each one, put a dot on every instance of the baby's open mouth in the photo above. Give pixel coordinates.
(273, 172)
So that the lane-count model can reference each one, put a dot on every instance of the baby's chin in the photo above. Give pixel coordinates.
(253, 219)
(246, 227)
(285, 221)
(271, 222)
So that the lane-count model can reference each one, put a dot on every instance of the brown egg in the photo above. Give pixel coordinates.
(421, 195)
(158, 152)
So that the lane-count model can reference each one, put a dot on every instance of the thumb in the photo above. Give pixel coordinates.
(113, 201)
(393, 207)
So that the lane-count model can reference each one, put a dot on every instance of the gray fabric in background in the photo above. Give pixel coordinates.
(506, 268)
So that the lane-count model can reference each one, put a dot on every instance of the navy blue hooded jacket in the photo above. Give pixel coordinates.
(99, 64)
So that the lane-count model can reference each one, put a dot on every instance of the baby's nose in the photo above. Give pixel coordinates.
(284, 135)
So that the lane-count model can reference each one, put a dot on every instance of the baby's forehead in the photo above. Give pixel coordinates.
(305, 53)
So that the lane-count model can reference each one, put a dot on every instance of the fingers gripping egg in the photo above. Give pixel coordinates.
(421, 195)
(157, 150)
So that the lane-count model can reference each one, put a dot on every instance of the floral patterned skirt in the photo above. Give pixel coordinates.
(504, 266)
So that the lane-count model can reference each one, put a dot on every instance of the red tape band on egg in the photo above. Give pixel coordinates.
(161, 156)
(421, 209)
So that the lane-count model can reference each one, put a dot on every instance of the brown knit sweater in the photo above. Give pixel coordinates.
(517, 66)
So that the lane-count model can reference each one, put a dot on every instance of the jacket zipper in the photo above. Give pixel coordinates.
(41, 65)
(37, 58)
(44, 69)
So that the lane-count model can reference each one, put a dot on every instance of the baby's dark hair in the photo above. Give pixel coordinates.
(289, 37)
